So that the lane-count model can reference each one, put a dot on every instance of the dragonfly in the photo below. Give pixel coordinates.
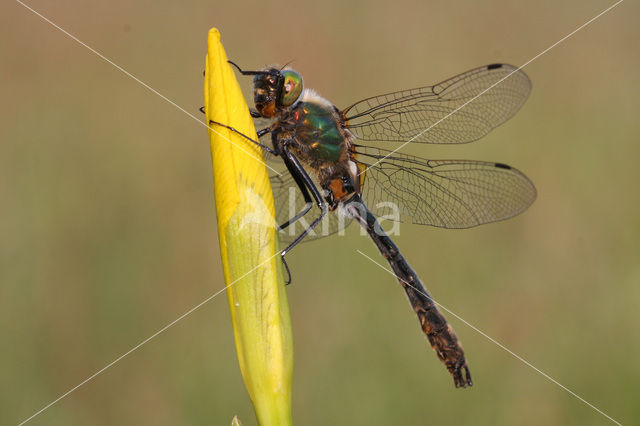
(346, 161)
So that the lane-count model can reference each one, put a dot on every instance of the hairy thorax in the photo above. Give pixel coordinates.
(314, 132)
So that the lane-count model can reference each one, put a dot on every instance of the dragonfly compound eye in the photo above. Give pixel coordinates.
(291, 88)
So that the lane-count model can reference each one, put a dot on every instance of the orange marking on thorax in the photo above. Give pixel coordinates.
(270, 110)
(337, 189)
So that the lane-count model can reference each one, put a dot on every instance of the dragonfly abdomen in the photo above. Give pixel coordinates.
(434, 325)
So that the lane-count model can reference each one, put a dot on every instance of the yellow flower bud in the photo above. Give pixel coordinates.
(248, 244)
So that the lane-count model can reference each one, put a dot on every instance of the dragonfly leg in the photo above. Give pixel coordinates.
(305, 194)
(305, 183)
(297, 217)
(263, 132)
(254, 114)
(260, 134)
(243, 72)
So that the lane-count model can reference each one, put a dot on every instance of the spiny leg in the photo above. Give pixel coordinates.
(243, 72)
(305, 194)
(260, 134)
(254, 114)
(302, 178)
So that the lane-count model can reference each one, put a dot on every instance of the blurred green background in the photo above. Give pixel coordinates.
(108, 229)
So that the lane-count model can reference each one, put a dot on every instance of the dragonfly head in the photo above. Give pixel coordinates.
(276, 90)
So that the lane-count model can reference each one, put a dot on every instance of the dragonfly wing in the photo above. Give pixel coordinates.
(443, 193)
(458, 110)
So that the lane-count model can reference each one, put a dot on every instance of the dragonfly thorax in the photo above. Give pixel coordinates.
(317, 131)
(313, 130)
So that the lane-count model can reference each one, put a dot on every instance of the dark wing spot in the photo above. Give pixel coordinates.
(494, 66)
(503, 166)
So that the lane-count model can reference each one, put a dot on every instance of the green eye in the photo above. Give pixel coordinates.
(291, 88)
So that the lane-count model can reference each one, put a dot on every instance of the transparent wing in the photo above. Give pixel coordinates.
(443, 193)
(458, 110)
(289, 201)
